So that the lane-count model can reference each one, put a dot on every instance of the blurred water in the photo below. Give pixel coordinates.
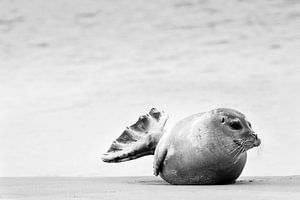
(74, 74)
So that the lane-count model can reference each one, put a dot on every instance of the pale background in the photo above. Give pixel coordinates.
(73, 74)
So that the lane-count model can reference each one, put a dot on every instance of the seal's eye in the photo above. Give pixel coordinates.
(222, 120)
(235, 125)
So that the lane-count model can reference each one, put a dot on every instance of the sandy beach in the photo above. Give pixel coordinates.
(74, 74)
(136, 188)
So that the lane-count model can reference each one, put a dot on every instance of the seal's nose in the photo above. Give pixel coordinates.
(255, 136)
(257, 142)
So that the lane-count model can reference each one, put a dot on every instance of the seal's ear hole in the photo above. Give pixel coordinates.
(222, 119)
(236, 125)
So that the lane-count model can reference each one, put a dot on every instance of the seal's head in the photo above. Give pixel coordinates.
(237, 129)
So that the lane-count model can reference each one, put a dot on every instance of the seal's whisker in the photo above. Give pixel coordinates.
(241, 150)
(261, 146)
(235, 155)
(236, 149)
(244, 149)
(245, 141)
(258, 152)
(259, 149)
(238, 152)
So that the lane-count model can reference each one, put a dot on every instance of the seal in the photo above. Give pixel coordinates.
(205, 148)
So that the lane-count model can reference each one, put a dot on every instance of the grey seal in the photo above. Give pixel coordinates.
(205, 148)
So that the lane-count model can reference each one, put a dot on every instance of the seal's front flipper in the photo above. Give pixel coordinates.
(140, 139)
(159, 157)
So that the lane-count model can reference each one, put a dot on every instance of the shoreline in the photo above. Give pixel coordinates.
(144, 187)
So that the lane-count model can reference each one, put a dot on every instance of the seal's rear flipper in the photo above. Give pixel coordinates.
(140, 139)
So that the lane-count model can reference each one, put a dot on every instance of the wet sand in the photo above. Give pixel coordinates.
(138, 188)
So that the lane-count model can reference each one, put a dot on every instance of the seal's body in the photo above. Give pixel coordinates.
(196, 151)
(205, 148)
